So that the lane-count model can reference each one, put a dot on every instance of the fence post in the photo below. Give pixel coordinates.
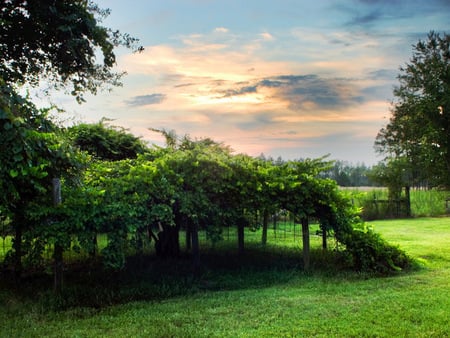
(265, 226)
(305, 235)
(408, 200)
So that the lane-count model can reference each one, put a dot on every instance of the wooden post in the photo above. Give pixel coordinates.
(408, 201)
(295, 235)
(306, 250)
(58, 250)
(265, 226)
(324, 238)
(275, 225)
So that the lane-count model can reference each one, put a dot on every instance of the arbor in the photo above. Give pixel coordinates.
(418, 131)
(60, 41)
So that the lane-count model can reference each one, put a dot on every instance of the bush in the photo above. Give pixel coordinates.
(371, 253)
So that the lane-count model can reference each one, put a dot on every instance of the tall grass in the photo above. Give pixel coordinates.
(429, 202)
(424, 203)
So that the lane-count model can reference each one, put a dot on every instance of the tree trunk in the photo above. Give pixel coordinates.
(265, 226)
(188, 238)
(324, 238)
(306, 250)
(93, 252)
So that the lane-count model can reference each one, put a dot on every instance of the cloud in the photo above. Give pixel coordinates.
(144, 100)
(241, 91)
(384, 74)
(375, 13)
(266, 36)
(221, 30)
(366, 18)
(300, 92)
(258, 121)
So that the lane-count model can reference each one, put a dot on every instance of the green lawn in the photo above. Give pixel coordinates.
(283, 302)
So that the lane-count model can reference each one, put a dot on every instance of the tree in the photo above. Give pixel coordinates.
(60, 41)
(419, 128)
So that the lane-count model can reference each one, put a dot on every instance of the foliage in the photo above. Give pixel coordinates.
(60, 41)
(369, 252)
(106, 142)
(33, 153)
(193, 185)
(417, 133)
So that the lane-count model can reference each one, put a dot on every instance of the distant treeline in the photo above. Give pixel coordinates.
(350, 175)
(346, 174)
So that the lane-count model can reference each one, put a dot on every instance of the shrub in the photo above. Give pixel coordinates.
(371, 253)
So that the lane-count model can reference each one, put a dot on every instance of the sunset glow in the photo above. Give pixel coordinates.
(290, 79)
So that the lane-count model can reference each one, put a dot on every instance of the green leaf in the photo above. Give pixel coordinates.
(13, 173)
(18, 157)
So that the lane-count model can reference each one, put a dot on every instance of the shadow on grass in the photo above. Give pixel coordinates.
(153, 279)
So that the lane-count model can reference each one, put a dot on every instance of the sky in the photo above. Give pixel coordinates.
(291, 79)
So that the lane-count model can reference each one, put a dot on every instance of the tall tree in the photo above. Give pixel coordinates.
(419, 128)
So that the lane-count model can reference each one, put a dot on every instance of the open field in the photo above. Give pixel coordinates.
(274, 300)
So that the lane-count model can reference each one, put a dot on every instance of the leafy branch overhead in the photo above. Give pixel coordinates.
(60, 41)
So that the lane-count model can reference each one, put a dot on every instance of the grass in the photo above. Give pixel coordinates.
(239, 298)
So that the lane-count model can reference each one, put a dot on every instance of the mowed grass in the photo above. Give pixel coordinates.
(279, 302)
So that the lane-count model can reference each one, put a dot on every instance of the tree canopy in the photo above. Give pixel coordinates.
(105, 141)
(418, 131)
(61, 41)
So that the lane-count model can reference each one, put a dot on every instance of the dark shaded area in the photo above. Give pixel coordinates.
(151, 278)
